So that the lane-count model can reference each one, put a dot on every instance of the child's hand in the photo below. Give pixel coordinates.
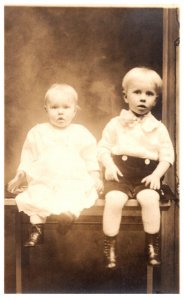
(112, 172)
(152, 181)
(15, 183)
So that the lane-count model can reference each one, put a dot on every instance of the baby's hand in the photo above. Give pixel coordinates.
(112, 172)
(15, 183)
(99, 185)
(153, 181)
(97, 181)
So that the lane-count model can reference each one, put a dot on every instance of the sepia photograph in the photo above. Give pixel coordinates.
(91, 148)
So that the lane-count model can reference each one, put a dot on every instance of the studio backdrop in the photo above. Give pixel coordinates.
(88, 48)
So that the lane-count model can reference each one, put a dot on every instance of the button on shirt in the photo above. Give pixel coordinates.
(143, 137)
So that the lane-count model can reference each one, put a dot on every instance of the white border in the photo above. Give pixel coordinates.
(90, 3)
(94, 3)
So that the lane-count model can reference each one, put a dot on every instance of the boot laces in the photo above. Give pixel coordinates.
(154, 248)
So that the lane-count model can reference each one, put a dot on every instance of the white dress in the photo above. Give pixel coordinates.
(57, 163)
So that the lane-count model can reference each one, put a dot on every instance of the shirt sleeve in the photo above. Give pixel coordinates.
(166, 151)
(28, 153)
(107, 141)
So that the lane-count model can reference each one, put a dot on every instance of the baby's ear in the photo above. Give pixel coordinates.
(78, 108)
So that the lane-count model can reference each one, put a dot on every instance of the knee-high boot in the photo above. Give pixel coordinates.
(110, 251)
(153, 249)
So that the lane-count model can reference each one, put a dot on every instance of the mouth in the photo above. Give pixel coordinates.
(142, 106)
(60, 119)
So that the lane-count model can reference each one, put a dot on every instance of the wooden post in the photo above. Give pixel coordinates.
(149, 279)
(170, 36)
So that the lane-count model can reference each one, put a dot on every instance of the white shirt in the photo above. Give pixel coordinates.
(144, 137)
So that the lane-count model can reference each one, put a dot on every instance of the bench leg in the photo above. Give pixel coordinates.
(18, 260)
(168, 251)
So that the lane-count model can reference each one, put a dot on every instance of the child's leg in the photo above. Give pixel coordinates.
(114, 202)
(149, 201)
(36, 235)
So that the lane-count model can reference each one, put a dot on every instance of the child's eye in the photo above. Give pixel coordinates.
(54, 107)
(149, 93)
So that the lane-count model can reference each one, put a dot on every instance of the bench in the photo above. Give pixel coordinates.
(131, 218)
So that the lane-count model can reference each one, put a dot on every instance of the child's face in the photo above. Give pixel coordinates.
(141, 96)
(61, 109)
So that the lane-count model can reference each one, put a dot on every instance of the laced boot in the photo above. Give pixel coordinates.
(36, 236)
(110, 251)
(153, 249)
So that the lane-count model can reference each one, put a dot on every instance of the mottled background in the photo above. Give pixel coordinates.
(88, 48)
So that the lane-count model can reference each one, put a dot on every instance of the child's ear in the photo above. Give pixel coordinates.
(156, 99)
(124, 96)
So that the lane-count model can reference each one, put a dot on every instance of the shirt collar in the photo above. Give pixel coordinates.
(148, 122)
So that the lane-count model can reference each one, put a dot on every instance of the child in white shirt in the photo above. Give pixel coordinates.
(59, 163)
(135, 151)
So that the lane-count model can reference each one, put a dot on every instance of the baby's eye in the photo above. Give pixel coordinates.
(54, 107)
(137, 92)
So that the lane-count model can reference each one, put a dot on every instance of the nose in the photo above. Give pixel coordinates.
(143, 98)
(60, 111)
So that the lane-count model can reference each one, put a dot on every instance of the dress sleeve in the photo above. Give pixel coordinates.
(107, 141)
(166, 151)
(28, 153)
(89, 151)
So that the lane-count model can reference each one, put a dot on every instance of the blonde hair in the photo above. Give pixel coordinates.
(62, 88)
(148, 74)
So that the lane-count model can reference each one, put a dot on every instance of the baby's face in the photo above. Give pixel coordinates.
(141, 95)
(61, 109)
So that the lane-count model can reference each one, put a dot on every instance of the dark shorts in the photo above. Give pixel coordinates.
(134, 170)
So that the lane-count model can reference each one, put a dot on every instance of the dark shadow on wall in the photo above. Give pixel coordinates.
(88, 48)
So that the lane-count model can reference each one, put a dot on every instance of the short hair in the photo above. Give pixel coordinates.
(63, 88)
(147, 73)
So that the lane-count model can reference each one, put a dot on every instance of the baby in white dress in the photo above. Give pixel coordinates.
(59, 163)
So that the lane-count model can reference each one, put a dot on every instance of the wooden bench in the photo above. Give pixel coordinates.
(131, 218)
